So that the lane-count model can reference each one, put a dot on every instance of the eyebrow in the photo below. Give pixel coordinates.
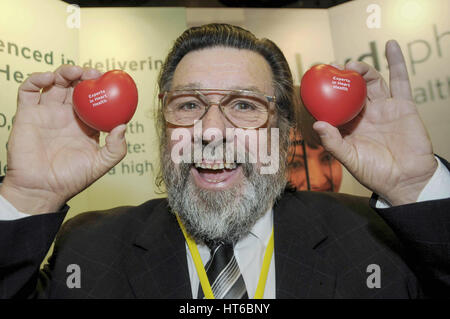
(189, 86)
(298, 157)
(198, 85)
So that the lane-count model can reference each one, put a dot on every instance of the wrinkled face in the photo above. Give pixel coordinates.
(219, 198)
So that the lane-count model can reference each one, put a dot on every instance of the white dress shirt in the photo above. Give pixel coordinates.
(249, 251)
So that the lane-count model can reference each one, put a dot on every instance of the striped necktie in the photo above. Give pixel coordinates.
(223, 274)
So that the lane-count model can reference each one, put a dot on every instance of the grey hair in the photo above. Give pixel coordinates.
(225, 35)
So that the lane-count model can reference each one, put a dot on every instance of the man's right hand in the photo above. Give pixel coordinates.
(52, 155)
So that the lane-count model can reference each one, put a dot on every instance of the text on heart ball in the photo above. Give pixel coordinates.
(96, 99)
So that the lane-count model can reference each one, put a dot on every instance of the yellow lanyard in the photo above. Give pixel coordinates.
(206, 286)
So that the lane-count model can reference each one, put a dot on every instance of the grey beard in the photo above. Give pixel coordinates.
(226, 215)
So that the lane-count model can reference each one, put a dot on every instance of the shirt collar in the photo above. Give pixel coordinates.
(260, 232)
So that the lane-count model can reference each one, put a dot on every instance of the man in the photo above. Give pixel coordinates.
(221, 213)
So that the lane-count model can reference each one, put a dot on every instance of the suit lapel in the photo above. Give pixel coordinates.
(300, 270)
(157, 265)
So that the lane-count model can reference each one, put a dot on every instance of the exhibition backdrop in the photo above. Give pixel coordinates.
(40, 35)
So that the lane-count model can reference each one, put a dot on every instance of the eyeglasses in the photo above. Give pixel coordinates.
(244, 109)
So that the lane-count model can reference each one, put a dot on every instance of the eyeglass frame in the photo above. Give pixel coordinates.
(269, 98)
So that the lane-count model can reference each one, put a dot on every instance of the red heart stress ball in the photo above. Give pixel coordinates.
(332, 95)
(106, 102)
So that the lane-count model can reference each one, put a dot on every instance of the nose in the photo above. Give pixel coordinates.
(317, 177)
(213, 123)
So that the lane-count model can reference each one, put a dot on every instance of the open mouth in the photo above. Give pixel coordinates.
(217, 175)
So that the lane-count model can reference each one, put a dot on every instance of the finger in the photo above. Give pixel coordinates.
(338, 66)
(88, 74)
(115, 147)
(376, 85)
(64, 76)
(398, 74)
(30, 90)
(333, 142)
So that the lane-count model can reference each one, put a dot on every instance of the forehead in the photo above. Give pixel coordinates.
(223, 68)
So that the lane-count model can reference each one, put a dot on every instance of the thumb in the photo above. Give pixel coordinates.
(115, 147)
(333, 142)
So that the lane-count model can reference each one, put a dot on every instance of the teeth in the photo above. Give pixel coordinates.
(216, 165)
(230, 165)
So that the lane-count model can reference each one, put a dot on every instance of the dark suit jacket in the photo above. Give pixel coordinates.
(323, 246)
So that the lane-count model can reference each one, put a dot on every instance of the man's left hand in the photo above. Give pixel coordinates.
(386, 147)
